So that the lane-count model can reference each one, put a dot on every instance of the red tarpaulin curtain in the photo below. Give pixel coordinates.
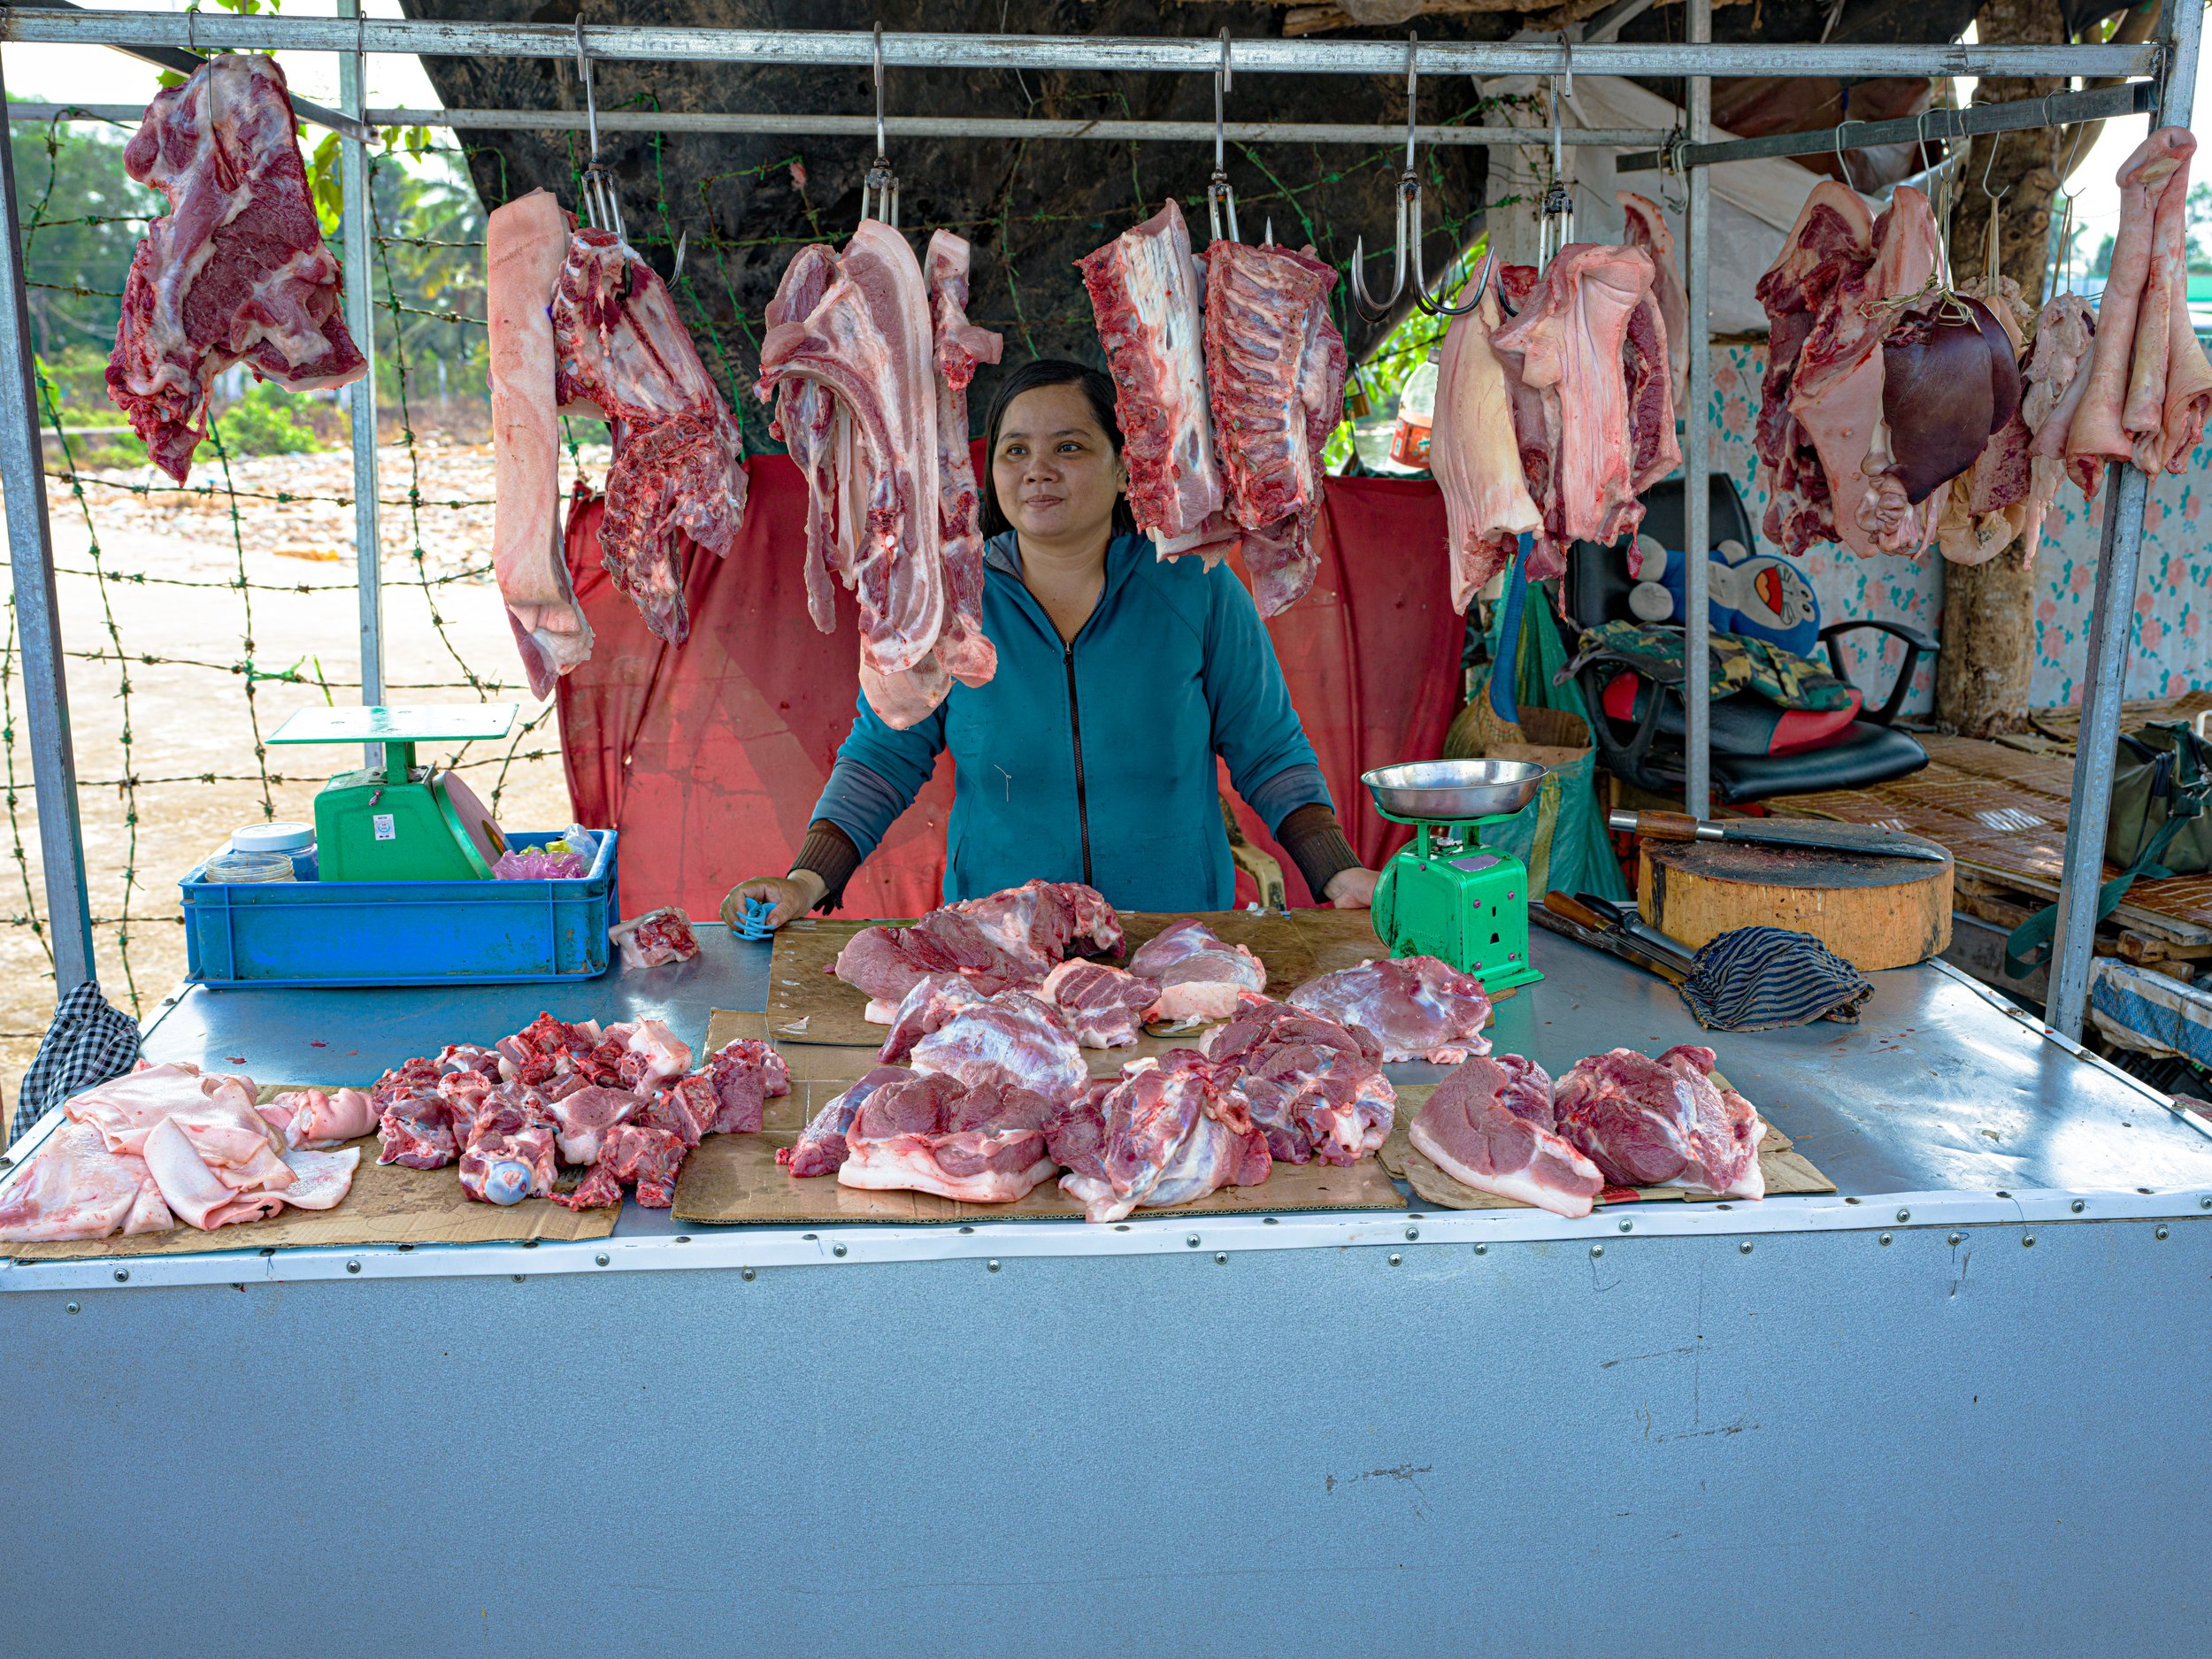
(709, 759)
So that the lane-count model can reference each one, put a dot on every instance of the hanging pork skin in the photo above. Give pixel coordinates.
(1949, 382)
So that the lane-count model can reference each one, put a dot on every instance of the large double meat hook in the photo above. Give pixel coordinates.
(1410, 229)
(1219, 197)
(880, 190)
(602, 203)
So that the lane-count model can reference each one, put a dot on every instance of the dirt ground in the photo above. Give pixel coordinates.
(181, 690)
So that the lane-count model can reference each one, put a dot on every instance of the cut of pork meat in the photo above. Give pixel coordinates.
(197, 1194)
(1950, 383)
(1992, 504)
(319, 1119)
(1836, 388)
(962, 652)
(1663, 1122)
(1476, 457)
(1012, 1040)
(821, 1144)
(1487, 1125)
(930, 1133)
(583, 1118)
(1587, 359)
(1200, 975)
(1314, 1087)
(1035, 926)
(651, 1157)
(125, 1108)
(650, 1053)
(888, 963)
(1647, 228)
(1415, 1008)
(656, 939)
(1144, 293)
(679, 457)
(1275, 370)
(1830, 244)
(526, 244)
(1165, 1134)
(746, 1074)
(510, 1153)
(1102, 1005)
(935, 998)
(1011, 938)
(77, 1188)
(686, 1109)
(806, 421)
(2149, 384)
(868, 342)
(235, 271)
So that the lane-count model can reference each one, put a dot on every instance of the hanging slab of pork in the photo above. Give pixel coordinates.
(1476, 457)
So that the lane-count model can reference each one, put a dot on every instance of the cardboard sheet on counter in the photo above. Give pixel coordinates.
(388, 1204)
(807, 1003)
(736, 1181)
(1787, 1170)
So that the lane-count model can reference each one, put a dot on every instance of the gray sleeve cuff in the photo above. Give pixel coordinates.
(1286, 791)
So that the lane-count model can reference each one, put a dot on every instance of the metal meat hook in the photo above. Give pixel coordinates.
(1218, 195)
(1558, 201)
(1409, 209)
(600, 203)
(879, 189)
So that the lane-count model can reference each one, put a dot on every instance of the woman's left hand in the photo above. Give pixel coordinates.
(1351, 889)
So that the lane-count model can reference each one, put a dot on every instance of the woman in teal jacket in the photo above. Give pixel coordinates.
(1090, 755)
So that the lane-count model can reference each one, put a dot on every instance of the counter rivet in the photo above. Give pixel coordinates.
(837, 1249)
(1192, 1240)
(1482, 1249)
(2026, 1238)
(1745, 1247)
(1221, 1259)
(602, 1260)
(993, 1266)
(1412, 1234)
(70, 1309)
(1395, 1258)
(2205, 1203)
(1903, 1216)
(2162, 1232)
(122, 1275)
(516, 1277)
(1628, 1227)
(1597, 1250)
(7, 1163)
(1886, 1238)
(746, 1274)
(2079, 1205)
(1956, 1238)
(1850, 1201)
(963, 1230)
(353, 1267)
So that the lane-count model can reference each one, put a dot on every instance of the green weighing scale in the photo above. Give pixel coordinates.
(1446, 895)
(402, 822)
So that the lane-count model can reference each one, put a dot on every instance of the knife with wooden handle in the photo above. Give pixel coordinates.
(1871, 840)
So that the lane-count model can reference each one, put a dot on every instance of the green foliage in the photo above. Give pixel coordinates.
(82, 216)
(266, 421)
(1401, 351)
(326, 183)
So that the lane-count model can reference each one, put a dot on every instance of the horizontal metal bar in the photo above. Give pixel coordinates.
(832, 1249)
(1199, 55)
(2014, 115)
(918, 126)
(185, 63)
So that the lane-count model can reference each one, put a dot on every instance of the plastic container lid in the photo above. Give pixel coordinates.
(249, 867)
(280, 837)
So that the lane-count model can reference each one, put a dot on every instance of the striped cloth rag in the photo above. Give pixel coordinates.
(1763, 978)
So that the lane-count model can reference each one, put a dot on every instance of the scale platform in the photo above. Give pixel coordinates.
(400, 822)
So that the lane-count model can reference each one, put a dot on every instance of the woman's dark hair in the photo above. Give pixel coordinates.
(1047, 372)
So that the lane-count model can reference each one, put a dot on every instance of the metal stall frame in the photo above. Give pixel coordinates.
(2172, 59)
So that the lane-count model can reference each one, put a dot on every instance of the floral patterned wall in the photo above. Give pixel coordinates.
(2171, 652)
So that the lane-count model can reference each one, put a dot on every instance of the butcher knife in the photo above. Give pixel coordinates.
(1823, 835)
(1594, 922)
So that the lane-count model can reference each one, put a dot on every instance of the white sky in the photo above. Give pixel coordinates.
(95, 74)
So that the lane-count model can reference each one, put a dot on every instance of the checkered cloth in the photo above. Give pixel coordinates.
(1763, 978)
(90, 1041)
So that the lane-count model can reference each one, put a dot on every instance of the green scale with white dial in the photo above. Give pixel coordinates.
(402, 822)
(1445, 894)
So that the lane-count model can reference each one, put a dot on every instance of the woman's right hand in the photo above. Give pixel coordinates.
(793, 896)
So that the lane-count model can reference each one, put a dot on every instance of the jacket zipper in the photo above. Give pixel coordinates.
(1075, 728)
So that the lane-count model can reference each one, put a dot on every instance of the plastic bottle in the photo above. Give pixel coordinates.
(233, 866)
(1416, 412)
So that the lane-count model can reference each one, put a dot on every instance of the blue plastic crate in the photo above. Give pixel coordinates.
(403, 932)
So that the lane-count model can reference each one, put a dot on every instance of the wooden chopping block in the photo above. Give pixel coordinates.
(1873, 912)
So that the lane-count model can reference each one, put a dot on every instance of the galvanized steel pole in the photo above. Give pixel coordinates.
(1697, 737)
(2112, 617)
(37, 612)
(361, 321)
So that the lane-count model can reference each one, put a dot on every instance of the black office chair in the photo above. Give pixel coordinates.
(1645, 748)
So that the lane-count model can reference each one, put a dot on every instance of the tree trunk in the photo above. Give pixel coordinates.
(1988, 658)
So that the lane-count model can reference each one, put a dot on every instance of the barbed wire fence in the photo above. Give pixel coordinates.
(170, 725)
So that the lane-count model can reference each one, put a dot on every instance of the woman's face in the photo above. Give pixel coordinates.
(1055, 469)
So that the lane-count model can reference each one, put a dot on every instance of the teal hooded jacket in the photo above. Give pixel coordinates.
(1094, 761)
